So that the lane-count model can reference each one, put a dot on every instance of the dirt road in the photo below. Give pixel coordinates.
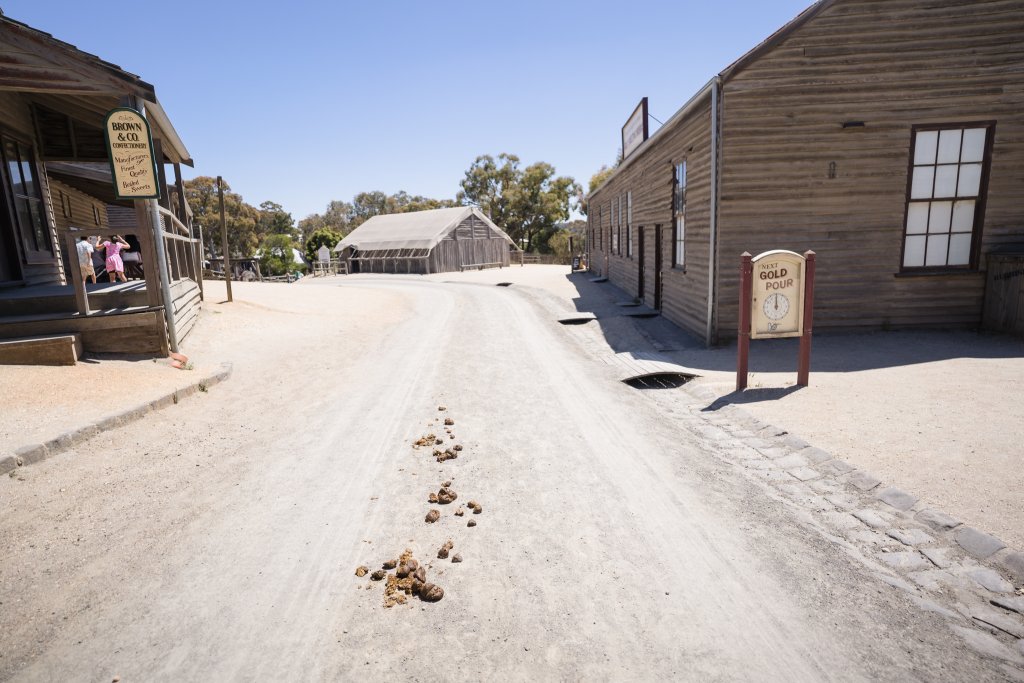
(218, 540)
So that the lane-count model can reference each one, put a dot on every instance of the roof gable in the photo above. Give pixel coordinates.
(413, 230)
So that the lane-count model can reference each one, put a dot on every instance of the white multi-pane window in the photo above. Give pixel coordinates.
(629, 224)
(611, 225)
(618, 218)
(945, 195)
(679, 216)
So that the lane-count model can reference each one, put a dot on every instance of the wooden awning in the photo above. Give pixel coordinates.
(72, 91)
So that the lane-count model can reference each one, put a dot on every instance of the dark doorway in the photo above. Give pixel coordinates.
(9, 261)
(640, 265)
(657, 267)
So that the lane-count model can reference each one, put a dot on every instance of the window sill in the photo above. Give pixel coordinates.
(679, 269)
(940, 272)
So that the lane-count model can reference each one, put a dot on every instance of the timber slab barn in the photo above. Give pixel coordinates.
(423, 242)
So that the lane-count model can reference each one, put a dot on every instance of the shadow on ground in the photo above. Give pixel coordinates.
(836, 352)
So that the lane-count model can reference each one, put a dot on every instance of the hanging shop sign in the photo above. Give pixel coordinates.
(132, 161)
(776, 300)
(635, 131)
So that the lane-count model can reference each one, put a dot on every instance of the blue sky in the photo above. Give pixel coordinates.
(305, 102)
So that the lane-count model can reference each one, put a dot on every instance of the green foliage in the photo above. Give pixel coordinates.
(527, 203)
(274, 220)
(596, 181)
(319, 238)
(276, 256)
(558, 244)
(366, 205)
(240, 218)
(344, 217)
(335, 218)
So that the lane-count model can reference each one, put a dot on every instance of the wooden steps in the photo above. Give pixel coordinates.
(64, 349)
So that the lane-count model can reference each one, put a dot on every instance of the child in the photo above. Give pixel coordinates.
(85, 250)
(115, 266)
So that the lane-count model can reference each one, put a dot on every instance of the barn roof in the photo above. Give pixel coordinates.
(414, 230)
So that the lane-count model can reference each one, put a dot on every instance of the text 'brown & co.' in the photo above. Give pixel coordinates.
(131, 155)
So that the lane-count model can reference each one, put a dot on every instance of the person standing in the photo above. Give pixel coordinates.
(115, 266)
(85, 266)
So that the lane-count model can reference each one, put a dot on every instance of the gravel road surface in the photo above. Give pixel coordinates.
(219, 538)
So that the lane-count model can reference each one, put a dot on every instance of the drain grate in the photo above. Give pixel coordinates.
(504, 284)
(576, 321)
(661, 380)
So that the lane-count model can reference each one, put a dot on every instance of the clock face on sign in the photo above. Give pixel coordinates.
(776, 306)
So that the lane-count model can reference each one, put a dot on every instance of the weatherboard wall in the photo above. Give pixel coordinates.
(889, 64)
(649, 177)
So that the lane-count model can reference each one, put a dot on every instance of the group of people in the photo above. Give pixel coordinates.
(112, 248)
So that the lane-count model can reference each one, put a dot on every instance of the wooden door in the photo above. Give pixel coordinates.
(657, 267)
(640, 264)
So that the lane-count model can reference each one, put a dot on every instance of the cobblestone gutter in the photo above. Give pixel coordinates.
(966, 575)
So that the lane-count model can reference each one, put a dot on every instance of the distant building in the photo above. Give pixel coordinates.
(888, 137)
(435, 241)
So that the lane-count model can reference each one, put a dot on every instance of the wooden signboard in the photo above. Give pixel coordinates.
(635, 131)
(776, 300)
(130, 147)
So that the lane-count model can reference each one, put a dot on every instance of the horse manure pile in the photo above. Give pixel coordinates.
(409, 579)
(446, 454)
(405, 578)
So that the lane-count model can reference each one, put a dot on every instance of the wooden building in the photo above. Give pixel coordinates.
(888, 137)
(435, 241)
(57, 186)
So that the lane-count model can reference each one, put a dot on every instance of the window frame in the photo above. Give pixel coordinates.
(629, 224)
(27, 243)
(981, 199)
(679, 214)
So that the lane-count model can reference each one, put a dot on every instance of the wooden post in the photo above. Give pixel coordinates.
(743, 338)
(150, 264)
(81, 295)
(804, 369)
(224, 237)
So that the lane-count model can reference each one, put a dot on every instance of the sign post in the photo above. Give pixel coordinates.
(743, 338)
(133, 165)
(804, 369)
(224, 237)
(776, 301)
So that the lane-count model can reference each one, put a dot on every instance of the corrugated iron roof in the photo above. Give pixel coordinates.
(414, 230)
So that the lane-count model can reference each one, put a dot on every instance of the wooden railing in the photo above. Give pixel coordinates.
(184, 252)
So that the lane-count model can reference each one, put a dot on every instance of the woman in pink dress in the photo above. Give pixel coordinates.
(115, 266)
